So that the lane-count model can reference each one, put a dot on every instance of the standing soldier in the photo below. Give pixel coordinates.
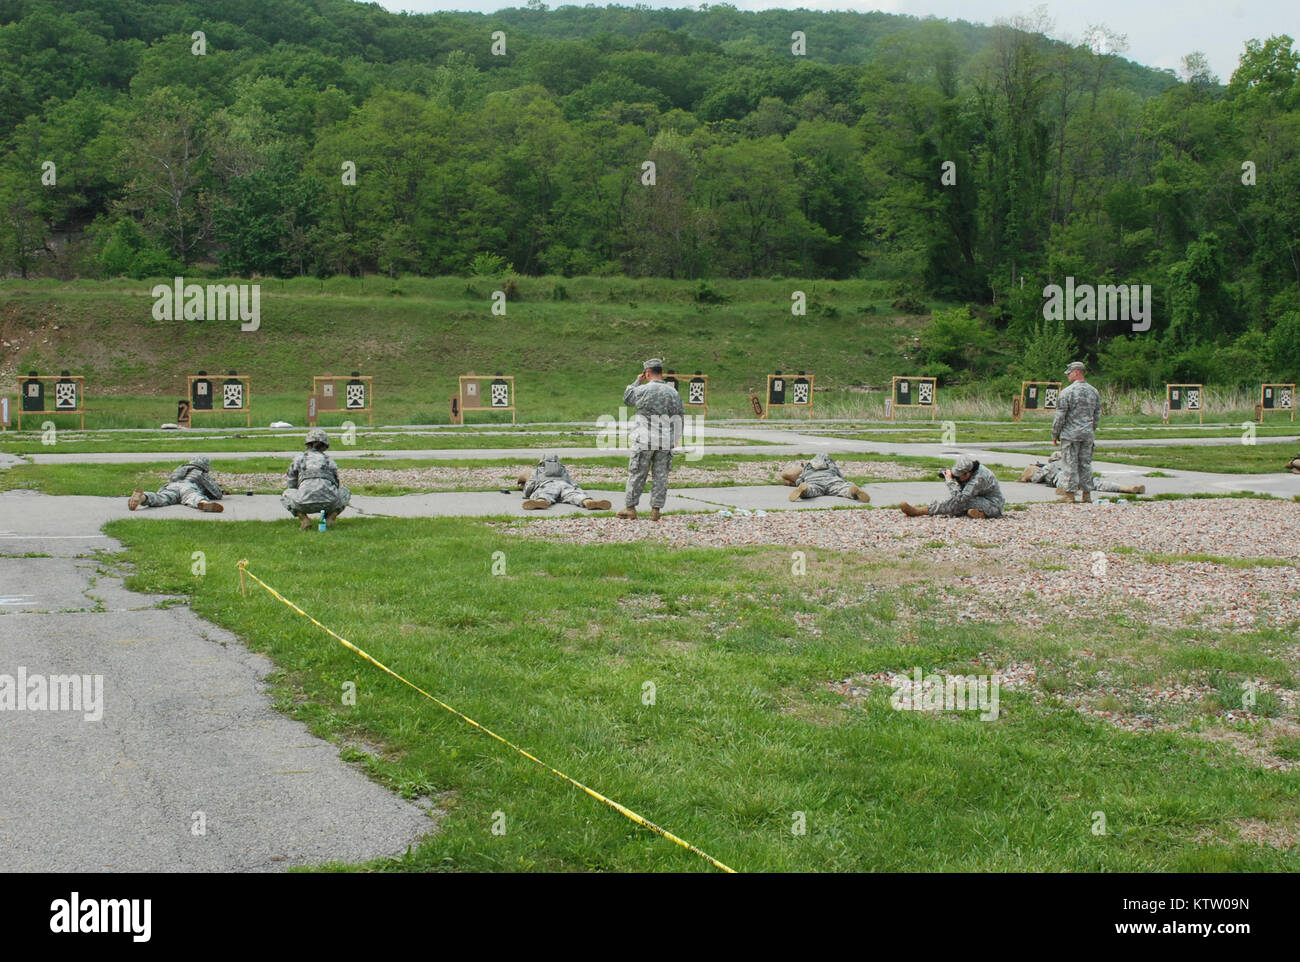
(191, 484)
(1078, 411)
(313, 483)
(655, 432)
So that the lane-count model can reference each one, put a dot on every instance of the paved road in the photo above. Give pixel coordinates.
(187, 726)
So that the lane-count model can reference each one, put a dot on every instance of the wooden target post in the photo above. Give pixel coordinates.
(500, 395)
(232, 394)
(913, 392)
(1278, 396)
(358, 396)
(696, 392)
(1037, 396)
(1184, 397)
(785, 391)
(67, 397)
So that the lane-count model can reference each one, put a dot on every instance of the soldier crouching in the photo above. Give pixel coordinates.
(313, 483)
(550, 482)
(973, 491)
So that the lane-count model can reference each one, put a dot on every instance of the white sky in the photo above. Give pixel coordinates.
(1159, 34)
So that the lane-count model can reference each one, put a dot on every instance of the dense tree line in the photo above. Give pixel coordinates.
(974, 164)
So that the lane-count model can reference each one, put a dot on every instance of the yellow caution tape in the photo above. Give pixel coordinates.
(622, 809)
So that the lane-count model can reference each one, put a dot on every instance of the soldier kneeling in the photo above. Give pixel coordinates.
(973, 490)
(313, 483)
(191, 484)
(550, 482)
(1050, 472)
(820, 476)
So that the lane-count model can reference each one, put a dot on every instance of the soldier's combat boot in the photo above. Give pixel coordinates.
(798, 492)
(331, 518)
(1065, 497)
(976, 513)
(304, 522)
(1134, 489)
(859, 494)
(911, 511)
(137, 498)
(213, 506)
(593, 505)
(654, 514)
(1028, 474)
(1087, 497)
(536, 504)
(628, 513)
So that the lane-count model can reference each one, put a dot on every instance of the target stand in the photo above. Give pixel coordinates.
(69, 396)
(235, 397)
(1275, 397)
(913, 392)
(1036, 396)
(694, 389)
(357, 394)
(1184, 397)
(784, 391)
(500, 394)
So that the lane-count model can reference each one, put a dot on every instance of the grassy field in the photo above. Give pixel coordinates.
(571, 357)
(1224, 459)
(748, 730)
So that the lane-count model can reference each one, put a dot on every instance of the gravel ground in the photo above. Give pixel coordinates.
(685, 475)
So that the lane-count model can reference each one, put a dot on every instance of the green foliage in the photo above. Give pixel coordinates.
(1284, 346)
(954, 339)
(1047, 350)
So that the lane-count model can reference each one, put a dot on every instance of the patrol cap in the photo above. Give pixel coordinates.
(1074, 366)
(653, 362)
(963, 464)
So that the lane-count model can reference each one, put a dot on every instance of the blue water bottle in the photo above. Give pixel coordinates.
(321, 526)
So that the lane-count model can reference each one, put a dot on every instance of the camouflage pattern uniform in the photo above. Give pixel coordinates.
(654, 433)
(313, 482)
(1078, 412)
(981, 491)
(189, 484)
(551, 482)
(1050, 472)
(823, 476)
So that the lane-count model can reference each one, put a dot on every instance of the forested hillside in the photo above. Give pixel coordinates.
(132, 148)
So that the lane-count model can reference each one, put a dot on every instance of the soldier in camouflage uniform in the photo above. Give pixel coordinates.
(550, 482)
(191, 484)
(313, 483)
(655, 432)
(1078, 412)
(1293, 465)
(1049, 474)
(973, 490)
(821, 476)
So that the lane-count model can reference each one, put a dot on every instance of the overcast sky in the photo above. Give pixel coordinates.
(1159, 34)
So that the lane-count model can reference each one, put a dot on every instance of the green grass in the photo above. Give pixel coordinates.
(1221, 459)
(744, 732)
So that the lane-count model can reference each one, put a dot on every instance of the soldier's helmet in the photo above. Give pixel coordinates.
(318, 436)
(203, 464)
(963, 464)
(820, 462)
